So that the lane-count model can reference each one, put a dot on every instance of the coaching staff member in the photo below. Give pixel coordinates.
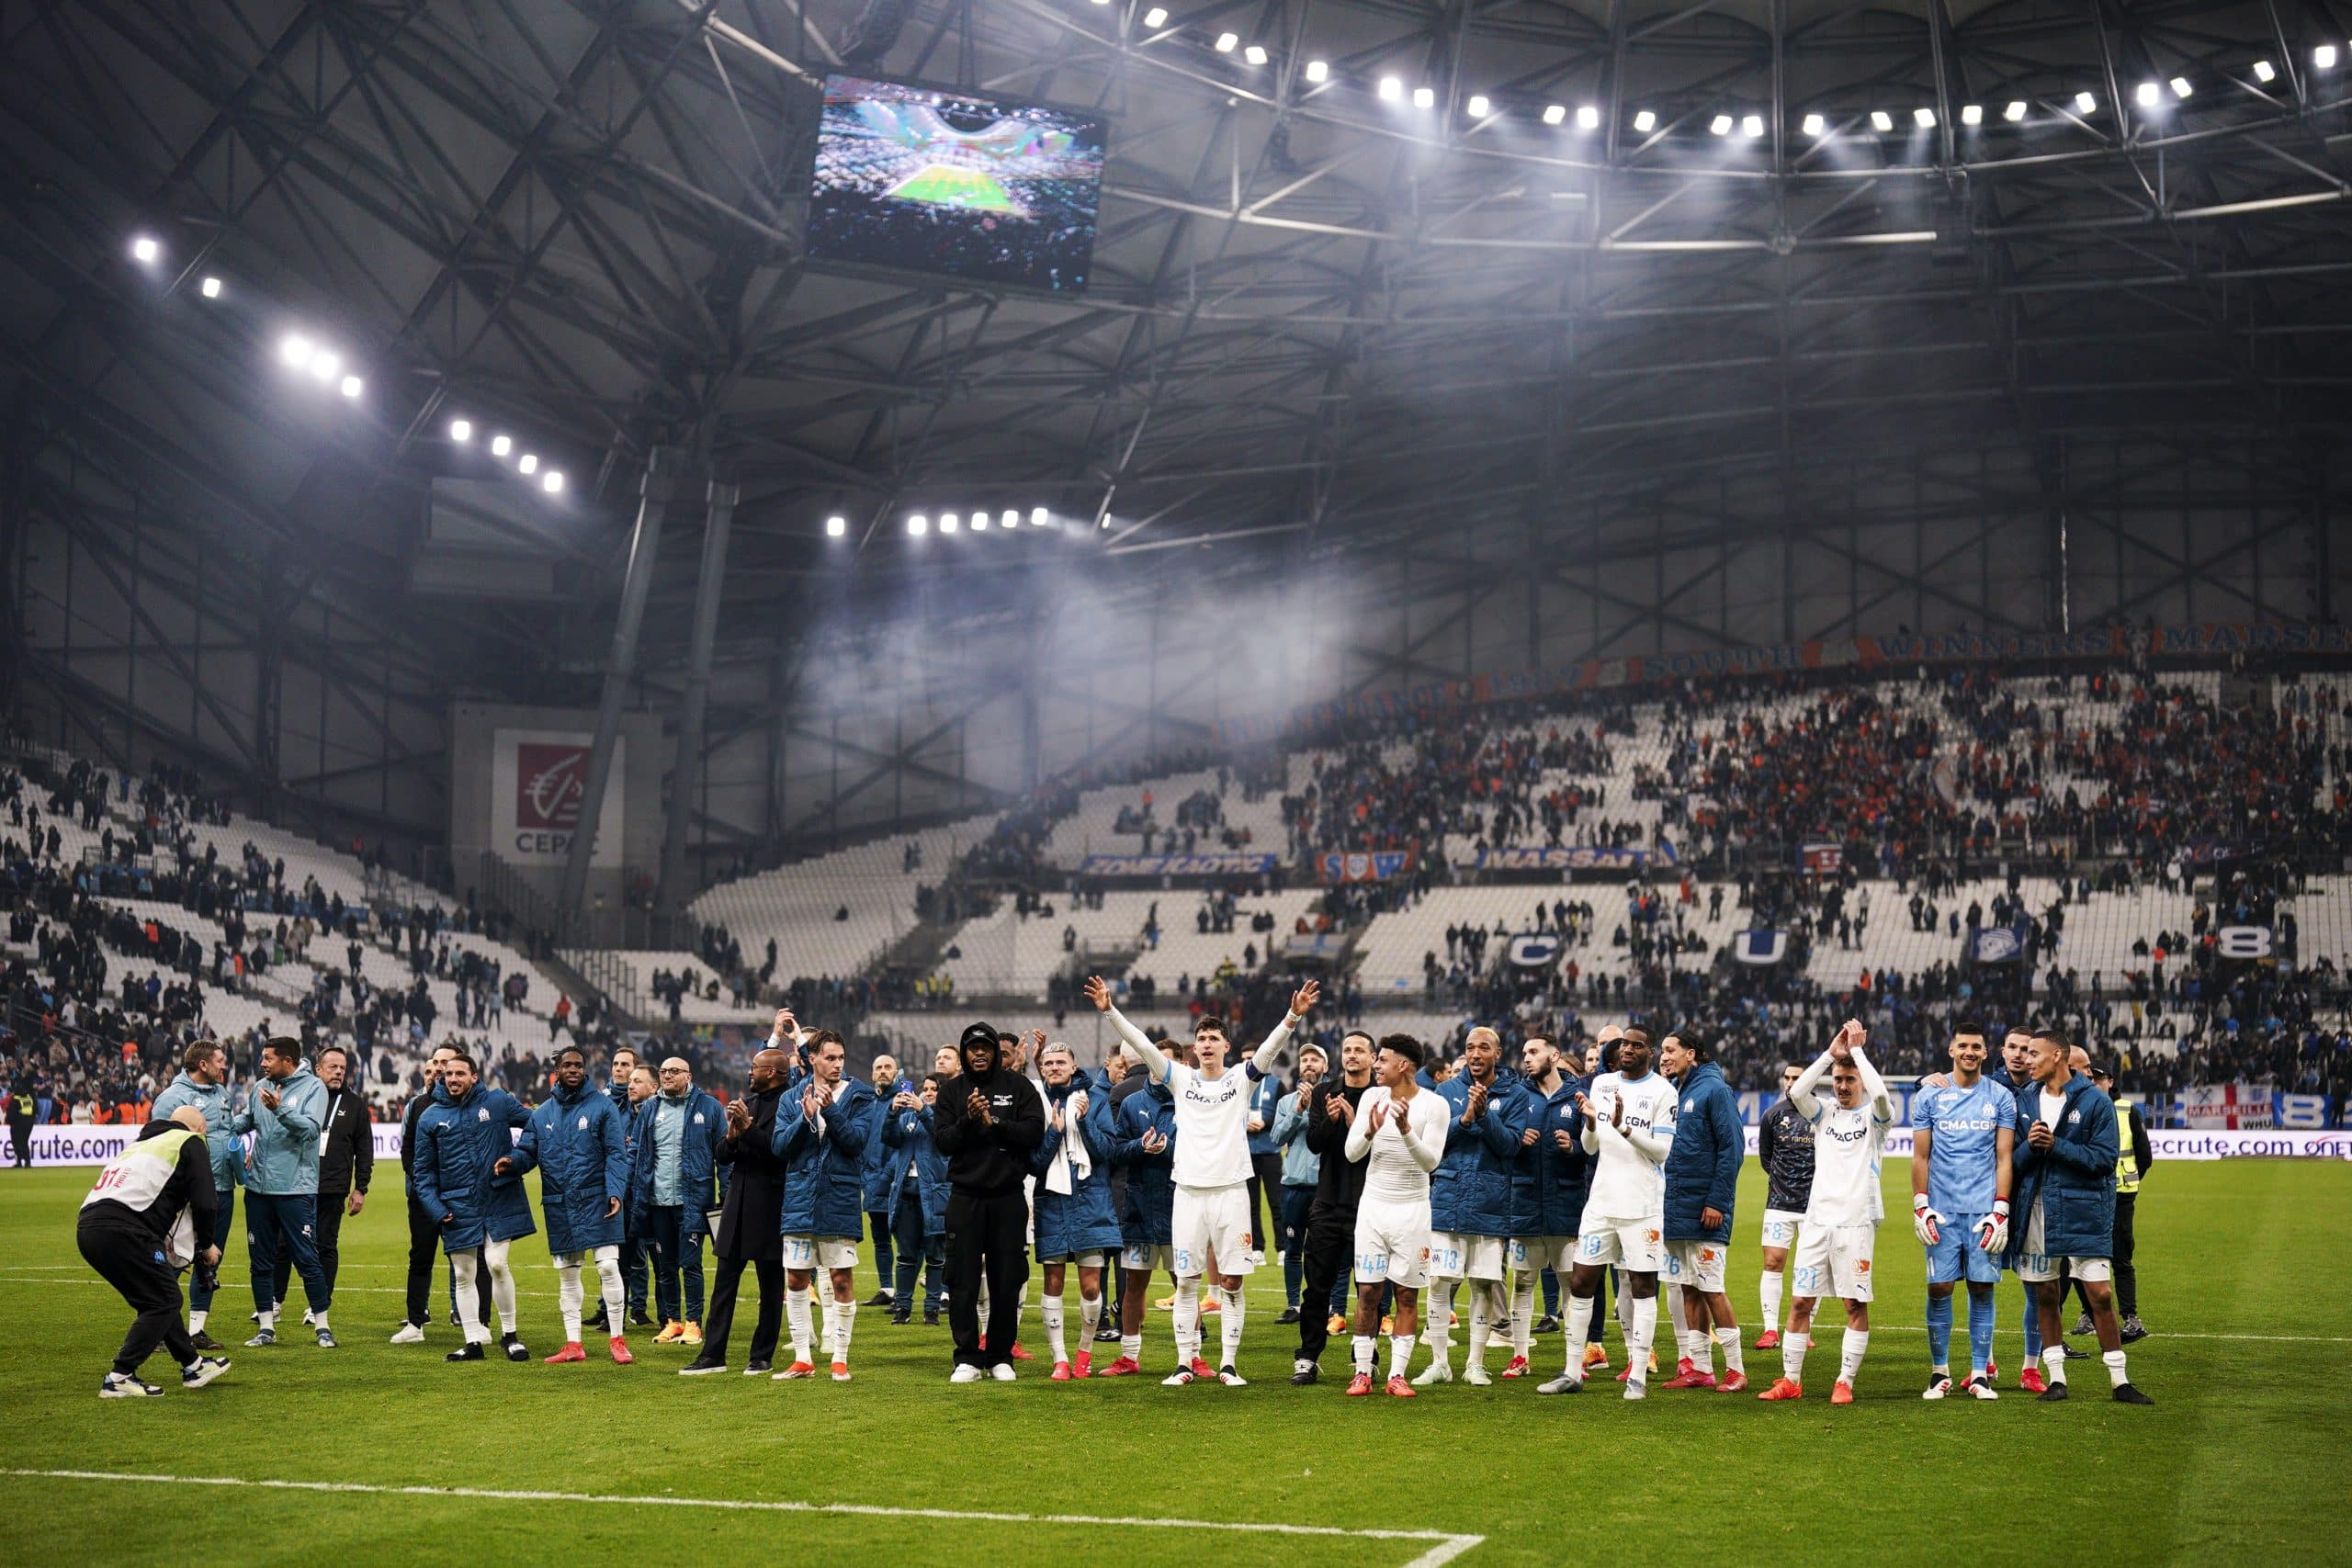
(989, 1122)
(149, 1216)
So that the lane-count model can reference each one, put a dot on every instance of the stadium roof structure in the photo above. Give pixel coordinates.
(1323, 318)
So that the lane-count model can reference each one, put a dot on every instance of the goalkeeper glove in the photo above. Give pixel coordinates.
(1925, 1221)
(1993, 1231)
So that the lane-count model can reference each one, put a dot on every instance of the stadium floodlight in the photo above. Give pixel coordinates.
(2265, 72)
(1012, 519)
(294, 349)
(1425, 98)
(1816, 127)
(500, 445)
(979, 521)
(1882, 120)
(552, 482)
(144, 250)
(1720, 125)
(1554, 113)
(1924, 119)
(1587, 117)
(352, 387)
(1255, 55)
(1752, 126)
(211, 289)
(1037, 518)
(1316, 70)
(2146, 95)
(1644, 122)
(917, 524)
(2181, 88)
(2323, 57)
(326, 364)
(2085, 103)
(1155, 18)
(1972, 114)
(461, 431)
(836, 526)
(1392, 90)
(528, 462)
(2014, 110)
(948, 522)
(1477, 107)
(1224, 42)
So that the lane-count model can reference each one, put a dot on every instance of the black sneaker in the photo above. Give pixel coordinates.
(2051, 1395)
(202, 1371)
(326, 1340)
(880, 1299)
(514, 1347)
(1307, 1372)
(2074, 1355)
(204, 1342)
(118, 1386)
(1547, 1324)
(2134, 1330)
(1288, 1314)
(902, 1317)
(759, 1369)
(598, 1322)
(698, 1368)
(931, 1320)
(2126, 1394)
(466, 1352)
(636, 1318)
(1107, 1335)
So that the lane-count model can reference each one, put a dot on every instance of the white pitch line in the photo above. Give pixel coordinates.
(1448, 1546)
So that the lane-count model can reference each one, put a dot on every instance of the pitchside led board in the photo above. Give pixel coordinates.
(537, 780)
(936, 180)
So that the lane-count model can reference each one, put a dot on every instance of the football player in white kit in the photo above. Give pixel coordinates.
(1399, 1132)
(1629, 1125)
(1842, 1216)
(1211, 1218)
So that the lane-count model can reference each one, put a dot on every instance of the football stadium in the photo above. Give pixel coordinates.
(1375, 784)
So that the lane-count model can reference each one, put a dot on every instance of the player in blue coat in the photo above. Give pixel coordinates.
(1146, 1150)
(1702, 1181)
(461, 1141)
(1470, 1200)
(1073, 1218)
(2066, 1148)
(1962, 1134)
(580, 1143)
(907, 1128)
(1547, 1190)
(824, 1124)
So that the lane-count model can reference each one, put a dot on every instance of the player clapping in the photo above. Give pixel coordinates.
(1841, 1219)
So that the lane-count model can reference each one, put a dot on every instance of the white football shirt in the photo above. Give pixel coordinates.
(1625, 1185)
(1212, 1126)
(1848, 1144)
(1391, 1173)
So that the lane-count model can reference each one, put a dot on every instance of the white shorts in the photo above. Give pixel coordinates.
(1453, 1256)
(1781, 1226)
(1094, 1258)
(1392, 1244)
(1146, 1258)
(1635, 1245)
(810, 1252)
(1835, 1260)
(581, 1259)
(2035, 1266)
(1696, 1265)
(1212, 1222)
(1533, 1254)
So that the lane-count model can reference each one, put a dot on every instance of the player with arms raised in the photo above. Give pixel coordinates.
(1960, 1138)
(1211, 1216)
(1399, 1132)
(1842, 1217)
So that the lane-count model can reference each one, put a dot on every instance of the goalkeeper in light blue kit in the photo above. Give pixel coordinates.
(1961, 1135)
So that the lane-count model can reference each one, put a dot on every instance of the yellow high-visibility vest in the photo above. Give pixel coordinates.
(2127, 1169)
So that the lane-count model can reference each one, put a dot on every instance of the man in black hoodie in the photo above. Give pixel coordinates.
(989, 1122)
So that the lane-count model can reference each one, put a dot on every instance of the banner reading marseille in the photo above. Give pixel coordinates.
(2227, 1105)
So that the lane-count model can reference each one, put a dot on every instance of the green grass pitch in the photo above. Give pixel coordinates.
(2244, 1270)
(941, 185)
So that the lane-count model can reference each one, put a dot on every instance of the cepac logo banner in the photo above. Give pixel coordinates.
(538, 784)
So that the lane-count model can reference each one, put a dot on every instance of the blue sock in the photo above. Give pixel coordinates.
(1939, 1331)
(2032, 1330)
(1980, 1330)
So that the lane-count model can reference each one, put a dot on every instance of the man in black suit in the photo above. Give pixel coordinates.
(748, 1221)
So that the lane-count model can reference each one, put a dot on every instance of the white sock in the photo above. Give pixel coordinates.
(269, 1320)
(1792, 1348)
(196, 1319)
(1131, 1347)
(1443, 1318)
(502, 1284)
(1523, 1316)
(608, 1278)
(1729, 1339)
(1637, 1342)
(1439, 1308)
(1089, 1318)
(1188, 1319)
(1579, 1325)
(567, 1298)
(822, 1300)
(2053, 1363)
(1769, 1289)
(466, 1266)
(845, 1324)
(796, 1319)
(1367, 1353)
(1230, 1322)
(1850, 1354)
(318, 1319)
(1482, 1320)
(1400, 1354)
(1678, 1312)
(2114, 1359)
(1053, 1314)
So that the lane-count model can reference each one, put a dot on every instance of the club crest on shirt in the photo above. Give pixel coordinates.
(584, 1123)
(698, 1122)
(483, 1114)
(2072, 1117)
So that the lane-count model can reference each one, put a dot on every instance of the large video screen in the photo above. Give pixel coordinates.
(932, 180)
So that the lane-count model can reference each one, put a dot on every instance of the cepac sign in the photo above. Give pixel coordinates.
(538, 783)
